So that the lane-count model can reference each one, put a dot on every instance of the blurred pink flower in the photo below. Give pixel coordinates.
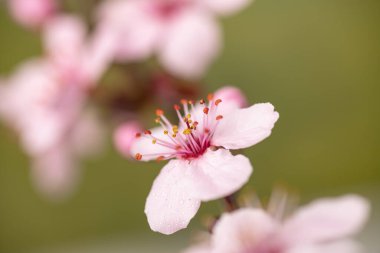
(320, 227)
(44, 101)
(76, 58)
(233, 95)
(32, 13)
(183, 34)
(200, 172)
(48, 115)
(124, 136)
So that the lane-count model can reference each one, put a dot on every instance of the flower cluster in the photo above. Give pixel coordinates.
(158, 50)
(50, 101)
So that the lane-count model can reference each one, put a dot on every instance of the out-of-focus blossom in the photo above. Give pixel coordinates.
(204, 168)
(201, 248)
(45, 100)
(76, 58)
(32, 13)
(233, 95)
(183, 34)
(124, 136)
(324, 226)
(48, 115)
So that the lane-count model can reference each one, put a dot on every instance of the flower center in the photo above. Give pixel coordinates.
(192, 137)
(165, 9)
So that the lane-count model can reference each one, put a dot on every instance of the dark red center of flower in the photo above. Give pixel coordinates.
(192, 137)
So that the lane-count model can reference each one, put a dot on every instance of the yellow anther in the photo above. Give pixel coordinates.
(166, 132)
(188, 116)
(174, 135)
(187, 131)
(154, 141)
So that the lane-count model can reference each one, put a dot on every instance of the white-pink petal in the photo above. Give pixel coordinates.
(201, 248)
(136, 33)
(232, 98)
(217, 174)
(125, 135)
(191, 43)
(225, 7)
(243, 128)
(326, 220)
(243, 231)
(343, 246)
(87, 135)
(64, 38)
(32, 13)
(170, 206)
(98, 54)
(54, 173)
(145, 146)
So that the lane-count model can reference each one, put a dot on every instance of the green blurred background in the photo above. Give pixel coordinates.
(317, 61)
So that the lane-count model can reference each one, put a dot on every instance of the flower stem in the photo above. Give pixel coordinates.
(230, 203)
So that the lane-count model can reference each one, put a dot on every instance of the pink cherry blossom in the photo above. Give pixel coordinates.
(203, 168)
(323, 226)
(183, 34)
(124, 136)
(32, 13)
(233, 95)
(76, 58)
(49, 117)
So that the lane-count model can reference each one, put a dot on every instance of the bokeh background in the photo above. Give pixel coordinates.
(317, 61)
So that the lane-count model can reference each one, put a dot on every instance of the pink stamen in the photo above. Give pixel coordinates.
(188, 141)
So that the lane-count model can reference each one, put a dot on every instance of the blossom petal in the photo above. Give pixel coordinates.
(150, 151)
(32, 13)
(343, 246)
(245, 127)
(201, 248)
(226, 7)
(64, 38)
(218, 174)
(136, 32)
(54, 173)
(88, 136)
(327, 219)
(169, 206)
(181, 53)
(124, 136)
(232, 98)
(98, 55)
(242, 231)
